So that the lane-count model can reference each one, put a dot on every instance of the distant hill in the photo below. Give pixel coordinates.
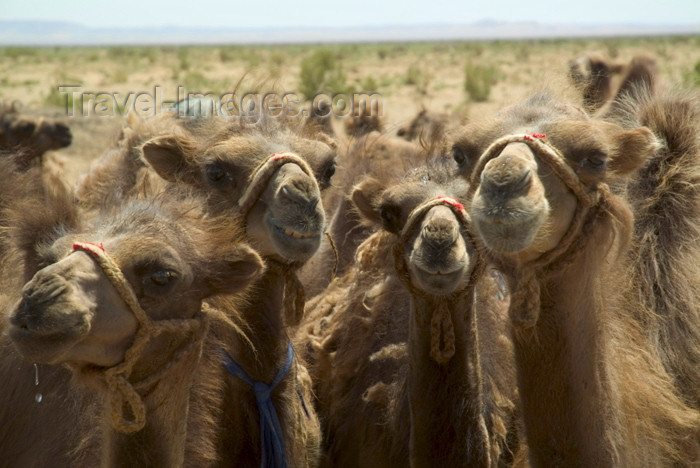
(39, 33)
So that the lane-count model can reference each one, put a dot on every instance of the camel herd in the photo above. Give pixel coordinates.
(519, 290)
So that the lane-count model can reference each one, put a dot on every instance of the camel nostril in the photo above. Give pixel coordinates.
(524, 181)
(19, 318)
(504, 182)
(440, 237)
(293, 192)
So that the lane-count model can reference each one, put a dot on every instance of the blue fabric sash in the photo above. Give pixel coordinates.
(271, 436)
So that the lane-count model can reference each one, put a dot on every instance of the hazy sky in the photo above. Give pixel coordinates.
(326, 13)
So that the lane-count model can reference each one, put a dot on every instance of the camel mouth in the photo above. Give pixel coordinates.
(293, 244)
(511, 237)
(511, 226)
(43, 347)
(65, 139)
(43, 334)
(440, 281)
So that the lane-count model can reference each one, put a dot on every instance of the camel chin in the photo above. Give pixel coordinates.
(440, 282)
(508, 238)
(42, 346)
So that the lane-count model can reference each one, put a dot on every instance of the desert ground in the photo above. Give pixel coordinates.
(408, 76)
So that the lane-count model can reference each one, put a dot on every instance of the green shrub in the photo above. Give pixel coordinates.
(478, 80)
(55, 99)
(322, 73)
(692, 77)
(415, 76)
(368, 83)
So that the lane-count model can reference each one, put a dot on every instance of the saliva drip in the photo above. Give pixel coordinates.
(38, 397)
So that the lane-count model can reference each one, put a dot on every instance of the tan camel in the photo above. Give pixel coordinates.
(31, 137)
(408, 368)
(666, 204)
(593, 390)
(125, 314)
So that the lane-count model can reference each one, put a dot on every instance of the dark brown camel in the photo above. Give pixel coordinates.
(603, 81)
(410, 368)
(593, 390)
(31, 137)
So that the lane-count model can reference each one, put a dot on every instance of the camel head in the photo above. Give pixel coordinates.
(36, 137)
(430, 223)
(171, 259)
(543, 161)
(273, 177)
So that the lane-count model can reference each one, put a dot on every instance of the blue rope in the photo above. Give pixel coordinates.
(271, 436)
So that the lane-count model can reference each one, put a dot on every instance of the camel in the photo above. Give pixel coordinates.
(426, 125)
(31, 137)
(543, 209)
(396, 382)
(120, 303)
(273, 179)
(601, 81)
(664, 253)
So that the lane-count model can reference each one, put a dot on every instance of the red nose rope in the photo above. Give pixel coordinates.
(442, 333)
(121, 391)
(293, 290)
(592, 202)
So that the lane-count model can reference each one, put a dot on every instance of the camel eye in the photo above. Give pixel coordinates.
(162, 277)
(216, 174)
(458, 155)
(595, 161)
(391, 217)
(328, 172)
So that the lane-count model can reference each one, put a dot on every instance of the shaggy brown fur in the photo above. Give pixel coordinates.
(162, 441)
(43, 192)
(665, 198)
(383, 400)
(381, 156)
(121, 172)
(30, 137)
(220, 169)
(602, 81)
(593, 389)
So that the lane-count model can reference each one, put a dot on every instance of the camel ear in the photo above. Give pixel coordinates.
(234, 271)
(168, 157)
(365, 196)
(632, 149)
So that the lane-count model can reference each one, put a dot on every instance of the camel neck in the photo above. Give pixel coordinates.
(562, 357)
(445, 400)
(264, 319)
(165, 432)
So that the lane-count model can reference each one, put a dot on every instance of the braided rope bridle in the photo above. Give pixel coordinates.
(591, 202)
(121, 390)
(442, 335)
